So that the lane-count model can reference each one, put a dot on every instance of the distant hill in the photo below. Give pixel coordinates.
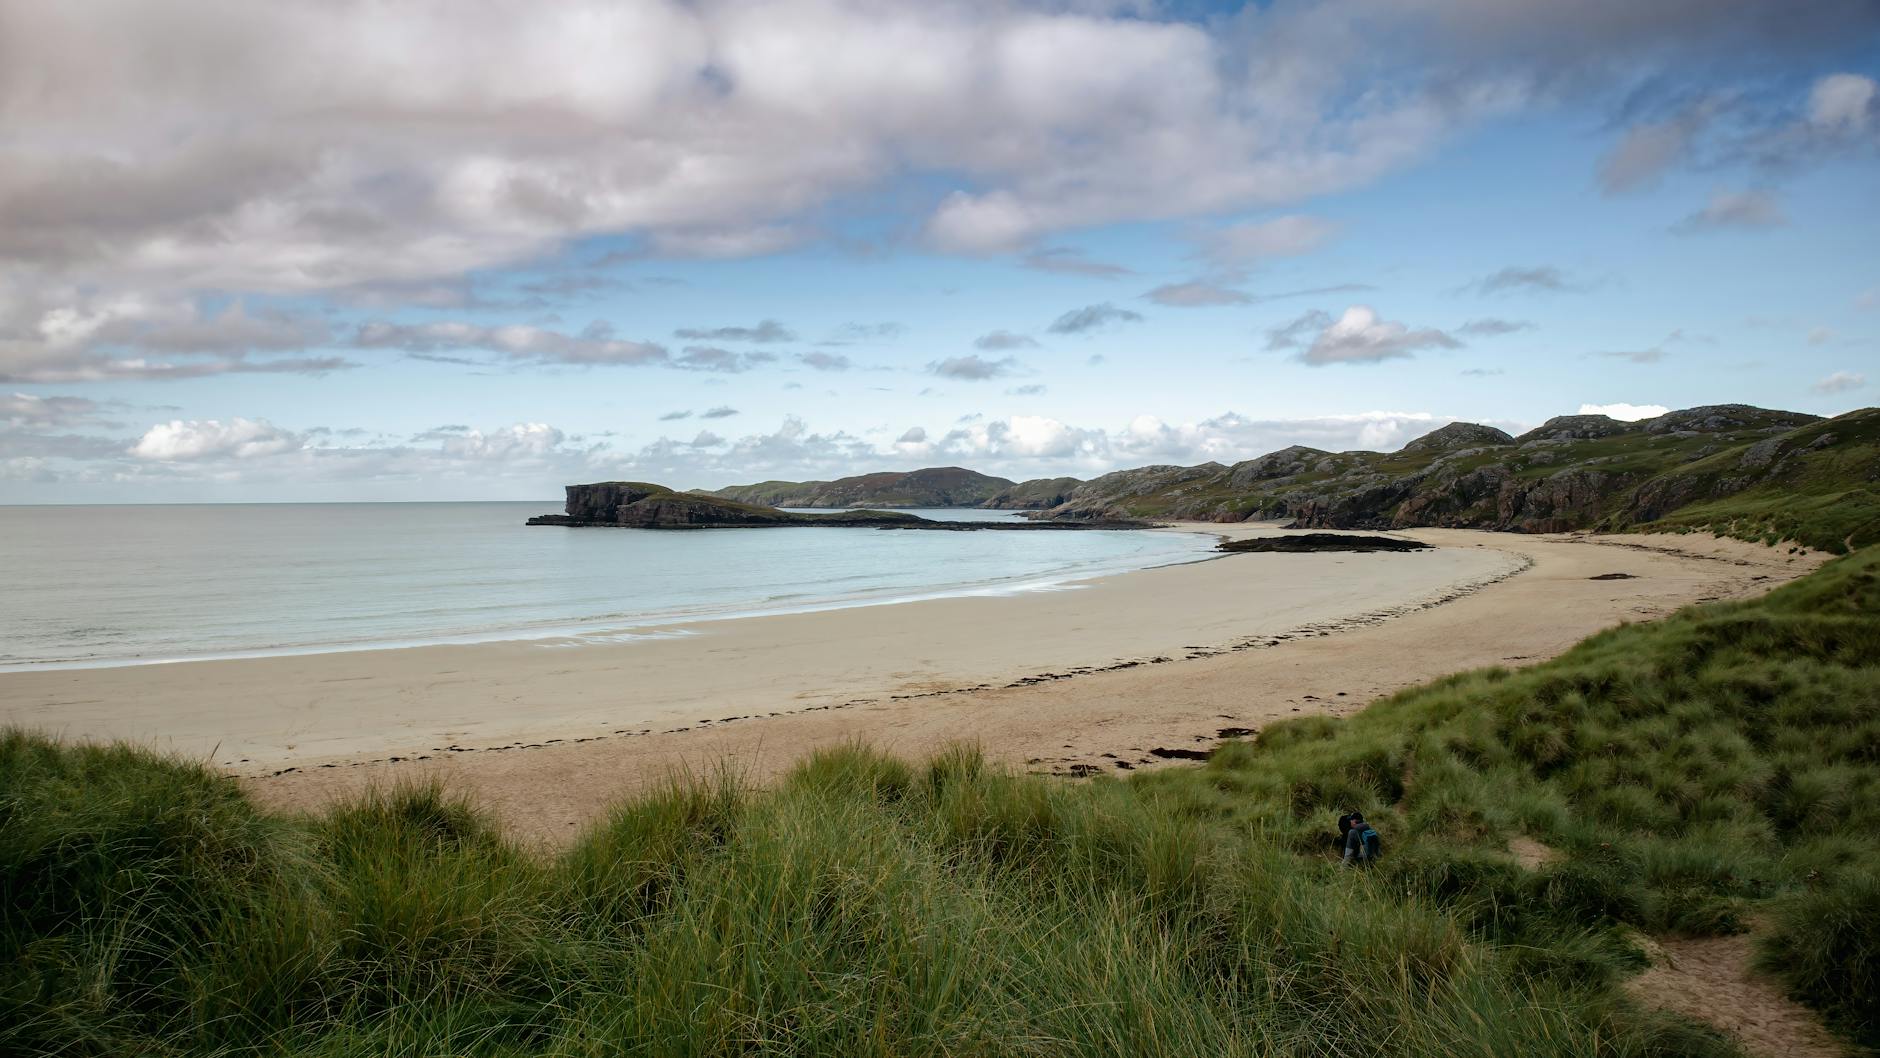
(1733, 468)
(644, 505)
(1036, 494)
(932, 487)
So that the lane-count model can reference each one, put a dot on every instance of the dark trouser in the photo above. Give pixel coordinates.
(1354, 844)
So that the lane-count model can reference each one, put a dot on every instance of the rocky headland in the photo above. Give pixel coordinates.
(642, 505)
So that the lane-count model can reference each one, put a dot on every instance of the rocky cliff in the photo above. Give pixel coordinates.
(640, 505)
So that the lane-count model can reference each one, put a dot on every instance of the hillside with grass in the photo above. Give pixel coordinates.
(1701, 775)
(932, 487)
(1734, 469)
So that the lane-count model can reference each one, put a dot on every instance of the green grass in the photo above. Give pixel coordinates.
(1697, 774)
(1821, 487)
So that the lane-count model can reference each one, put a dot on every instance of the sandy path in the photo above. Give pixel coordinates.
(1711, 979)
(1101, 718)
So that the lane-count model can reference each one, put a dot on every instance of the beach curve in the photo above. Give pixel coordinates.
(1126, 672)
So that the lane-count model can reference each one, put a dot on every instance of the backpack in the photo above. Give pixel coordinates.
(1372, 841)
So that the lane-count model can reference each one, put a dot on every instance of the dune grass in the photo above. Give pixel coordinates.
(1697, 774)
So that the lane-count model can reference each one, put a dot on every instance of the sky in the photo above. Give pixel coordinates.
(479, 249)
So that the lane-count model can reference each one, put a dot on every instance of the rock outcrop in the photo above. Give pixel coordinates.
(1725, 418)
(639, 505)
(1456, 436)
(1307, 543)
(1576, 428)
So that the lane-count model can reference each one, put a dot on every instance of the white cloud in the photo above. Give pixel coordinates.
(996, 341)
(1735, 209)
(820, 361)
(1625, 412)
(534, 458)
(26, 409)
(75, 334)
(1707, 126)
(1842, 101)
(1092, 318)
(708, 129)
(252, 458)
(1066, 260)
(521, 440)
(1197, 294)
(972, 368)
(368, 152)
(594, 346)
(1535, 278)
(1491, 327)
(764, 331)
(196, 439)
(1036, 446)
(1252, 241)
(1359, 336)
(219, 144)
(723, 361)
(1840, 382)
(1636, 356)
(1646, 151)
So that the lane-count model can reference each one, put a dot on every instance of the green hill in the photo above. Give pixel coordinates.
(932, 487)
(1738, 470)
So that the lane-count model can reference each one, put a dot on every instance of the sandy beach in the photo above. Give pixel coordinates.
(1124, 672)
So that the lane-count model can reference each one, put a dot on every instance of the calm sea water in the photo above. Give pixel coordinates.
(116, 585)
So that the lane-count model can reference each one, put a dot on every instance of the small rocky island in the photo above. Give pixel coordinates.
(641, 505)
(1306, 543)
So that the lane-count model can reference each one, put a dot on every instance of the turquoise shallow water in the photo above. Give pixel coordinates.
(117, 585)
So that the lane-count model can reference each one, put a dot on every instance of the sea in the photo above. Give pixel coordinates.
(120, 585)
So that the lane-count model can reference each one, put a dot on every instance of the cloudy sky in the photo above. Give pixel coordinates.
(474, 249)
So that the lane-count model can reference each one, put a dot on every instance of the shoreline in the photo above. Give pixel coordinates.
(655, 626)
(270, 713)
(1134, 671)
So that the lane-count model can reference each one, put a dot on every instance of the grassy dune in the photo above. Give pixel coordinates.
(1693, 774)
